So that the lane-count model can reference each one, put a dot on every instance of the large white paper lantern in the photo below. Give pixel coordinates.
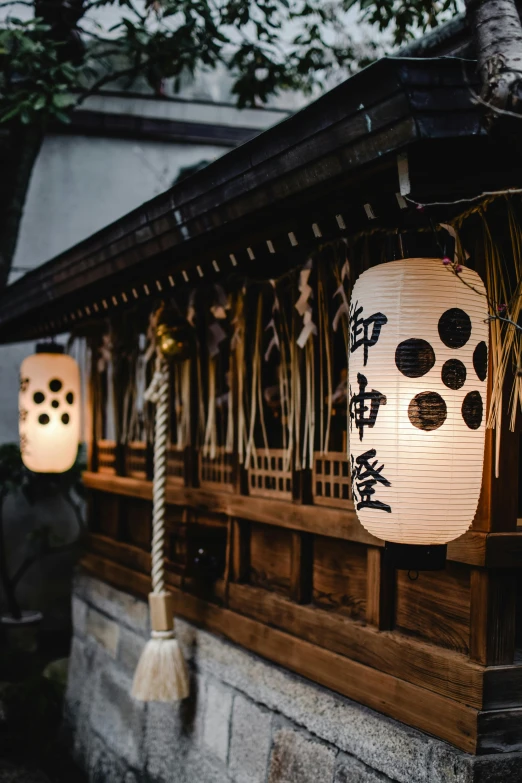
(49, 410)
(417, 369)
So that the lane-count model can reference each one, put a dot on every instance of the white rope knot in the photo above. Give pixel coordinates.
(162, 634)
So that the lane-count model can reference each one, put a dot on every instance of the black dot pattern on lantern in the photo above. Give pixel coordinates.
(38, 398)
(453, 374)
(414, 357)
(69, 397)
(427, 411)
(454, 327)
(43, 418)
(480, 360)
(65, 418)
(472, 409)
(55, 385)
(55, 404)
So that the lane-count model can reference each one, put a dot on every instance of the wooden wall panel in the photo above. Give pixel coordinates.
(136, 523)
(104, 514)
(271, 558)
(436, 606)
(339, 576)
(207, 537)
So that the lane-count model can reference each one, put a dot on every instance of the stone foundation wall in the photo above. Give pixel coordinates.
(247, 721)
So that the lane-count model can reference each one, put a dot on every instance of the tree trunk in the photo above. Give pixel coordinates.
(498, 39)
(19, 149)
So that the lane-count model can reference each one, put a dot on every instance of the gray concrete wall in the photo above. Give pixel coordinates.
(246, 720)
(81, 184)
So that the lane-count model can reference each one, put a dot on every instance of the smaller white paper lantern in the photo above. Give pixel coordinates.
(49, 410)
(418, 384)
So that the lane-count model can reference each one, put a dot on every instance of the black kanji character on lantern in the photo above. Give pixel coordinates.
(365, 475)
(360, 329)
(358, 407)
(24, 383)
(24, 442)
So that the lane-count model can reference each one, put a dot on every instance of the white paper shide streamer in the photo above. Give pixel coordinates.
(418, 378)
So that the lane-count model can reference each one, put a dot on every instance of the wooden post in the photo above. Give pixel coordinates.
(380, 592)
(493, 591)
(93, 421)
(498, 505)
(239, 473)
(301, 567)
(240, 551)
(191, 452)
(492, 626)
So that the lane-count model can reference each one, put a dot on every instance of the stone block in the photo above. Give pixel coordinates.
(449, 765)
(122, 607)
(296, 758)
(15, 773)
(230, 715)
(104, 766)
(379, 742)
(350, 770)
(79, 672)
(79, 616)
(203, 769)
(216, 723)
(165, 748)
(130, 647)
(116, 717)
(106, 632)
(250, 741)
(498, 768)
(171, 733)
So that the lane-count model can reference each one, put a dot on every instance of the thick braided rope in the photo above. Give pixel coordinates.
(158, 392)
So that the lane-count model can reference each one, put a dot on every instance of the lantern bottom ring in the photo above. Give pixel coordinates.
(415, 557)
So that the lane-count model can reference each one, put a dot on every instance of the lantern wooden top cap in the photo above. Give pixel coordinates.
(49, 348)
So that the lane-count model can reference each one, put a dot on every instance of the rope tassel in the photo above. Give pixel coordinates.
(161, 674)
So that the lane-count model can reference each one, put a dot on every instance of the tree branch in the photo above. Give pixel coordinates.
(109, 77)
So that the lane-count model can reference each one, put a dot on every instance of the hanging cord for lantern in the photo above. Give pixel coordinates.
(161, 674)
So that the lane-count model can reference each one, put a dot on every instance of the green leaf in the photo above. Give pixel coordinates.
(62, 116)
(62, 101)
(10, 114)
(39, 103)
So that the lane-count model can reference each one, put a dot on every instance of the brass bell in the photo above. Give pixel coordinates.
(172, 341)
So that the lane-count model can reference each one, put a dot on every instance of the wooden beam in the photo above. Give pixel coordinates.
(504, 550)
(499, 731)
(492, 622)
(336, 522)
(436, 668)
(448, 719)
(125, 554)
(502, 687)
(439, 670)
(471, 548)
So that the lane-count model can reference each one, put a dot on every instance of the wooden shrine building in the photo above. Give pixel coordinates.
(264, 553)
